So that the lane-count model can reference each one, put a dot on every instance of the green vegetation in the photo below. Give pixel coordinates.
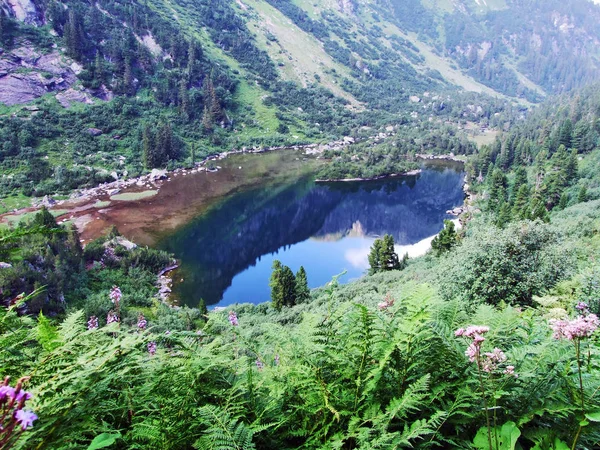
(489, 341)
(287, 289)
(383, 256)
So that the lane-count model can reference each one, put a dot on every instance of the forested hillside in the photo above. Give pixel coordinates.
(96, 91)
(488, 341)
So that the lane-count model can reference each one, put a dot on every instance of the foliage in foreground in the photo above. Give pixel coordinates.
(349, 374)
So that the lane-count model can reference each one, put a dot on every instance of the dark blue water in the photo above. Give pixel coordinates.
(227, 253)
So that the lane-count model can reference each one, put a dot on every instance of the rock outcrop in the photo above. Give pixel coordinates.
(26, 74)
(23, 10)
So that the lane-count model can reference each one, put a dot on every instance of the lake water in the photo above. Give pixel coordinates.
(226, 253)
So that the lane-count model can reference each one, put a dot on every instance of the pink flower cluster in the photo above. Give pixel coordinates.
(142, 322)
(115, 295)
(112, 317)
(387, 302)
(492, 359)
(233, 320)
(12, 402)
(92, 323)
(152, 348)
(488, 362)
(581, 327)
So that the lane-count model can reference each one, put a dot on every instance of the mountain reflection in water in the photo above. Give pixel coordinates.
(226, 253)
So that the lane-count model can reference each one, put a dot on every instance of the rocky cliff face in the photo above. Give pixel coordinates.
(23, 10)
(26, 74)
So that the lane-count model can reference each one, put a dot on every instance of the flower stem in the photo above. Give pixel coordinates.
(581, 392)
(485, 405)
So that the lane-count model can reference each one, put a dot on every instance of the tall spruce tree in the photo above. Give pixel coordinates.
(302, 290)
(447, 239)
(277, 298)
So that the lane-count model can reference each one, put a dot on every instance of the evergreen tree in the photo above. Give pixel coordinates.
(498, 185)
(519, 180)
(207, 120)
(566, 134)
(148, 156)
(277, 296)
(520, 209)
(403, 262)
(571, 167)
(447, 239)
(184, 99)
(564, 201)
(389, 257)
(288, 286)
(582, 195)
(375, 262)
(504, 215)
(202, 307)
(302, 290)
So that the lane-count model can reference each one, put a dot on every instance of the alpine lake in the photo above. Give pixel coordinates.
(227, 249)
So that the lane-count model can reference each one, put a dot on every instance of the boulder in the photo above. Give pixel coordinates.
(158, 174)
(70, 96)
(94, 131)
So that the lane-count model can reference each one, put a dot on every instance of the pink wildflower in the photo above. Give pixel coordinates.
(233, 320)
(459, 332)
(92, 323)
(510, 370)
(152, 348)
(382, 306)
(115, 295)
(112, 317)
(578, 328)
(142, 322)
(582, 307)
(259, 364)
(472, 352)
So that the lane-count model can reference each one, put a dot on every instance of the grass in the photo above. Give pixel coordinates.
(300, 53)
(14, 219)
(132, 196)
(14, 202)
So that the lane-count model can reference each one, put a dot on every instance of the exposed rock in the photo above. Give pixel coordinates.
(47, 73)
(4, 265)
(158, 174)
(23, 10)
(94, 131)
(48, 201)
(120, 240)
(414, 99)
(70, 96)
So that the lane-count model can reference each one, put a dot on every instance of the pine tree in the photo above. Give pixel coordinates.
(504, 215)
(389, 257)
(302, 290)
(447, 239)
(566, 134)
(571, 167)
(375, 262)
(582, 195)
(519, 180)
(207, 120)
(564, 201)
(277, 296)
(184, 99)
(148, 156)
(288, 286)
(521, 203)
(497, 190)
(202, 308)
